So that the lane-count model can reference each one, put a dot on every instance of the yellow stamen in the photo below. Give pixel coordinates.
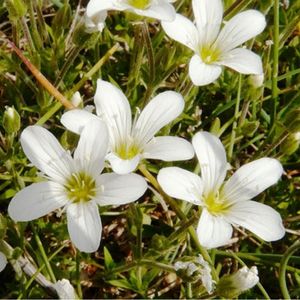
(209, 54)
(139, 4)
(215, 205)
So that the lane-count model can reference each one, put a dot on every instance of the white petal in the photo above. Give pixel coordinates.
(168, 148)
(113, 107)
(161, 10)
(92, 146)
(3, 261)
(201, 73)
(241, 28)
(45, 152)
(208, 15)
(258, 218)
(96, 22)
(183, 31)
(75, 119)
(251, 179)
(84, 225)
(37, 200)
(123, 166)
(181, 184)
(213, 231)
(120, 189)
(212, 159)
(96, 6)
(243, 61)
(160, 111)
(64, 289)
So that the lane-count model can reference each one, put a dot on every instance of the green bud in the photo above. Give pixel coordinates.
(256, 81)
(16, 8)
(231, 286)
(292, 121)
(290, 144)
(159, 242)
(249, 127)
(11, 120)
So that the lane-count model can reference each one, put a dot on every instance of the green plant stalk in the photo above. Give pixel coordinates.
(283, 268)
(78, 284)
(44, 255)
(28, 36)
(275, 61)
(260, 286)
(181, 215)
(236, 116)
(49, 113)
(35, 34)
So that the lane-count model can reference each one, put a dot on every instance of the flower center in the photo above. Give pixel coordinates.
(139, 4)
(209, 55)
(127, 151)
(214, 204)
(80, 187)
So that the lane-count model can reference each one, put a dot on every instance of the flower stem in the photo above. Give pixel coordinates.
(236, 114)
(79, 290)
(181, 215)
(283, 267)
(44, 255)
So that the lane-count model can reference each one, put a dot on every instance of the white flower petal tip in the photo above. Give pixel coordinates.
(3, 261)
(202, 73)
(64, 289)
(169, 148)
(181, 184)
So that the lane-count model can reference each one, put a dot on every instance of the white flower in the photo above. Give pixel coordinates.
(213, 47)
(225, 203)
(73, 183)
(129, 143)
(64, 289)
(3, 261)
(157, 9)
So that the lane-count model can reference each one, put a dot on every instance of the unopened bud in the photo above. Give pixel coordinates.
(193, 269)
(11, 120)
(77, 100)
(231, 286)
(256, 81)
(95, 22)
(290, 144)
(64, 289)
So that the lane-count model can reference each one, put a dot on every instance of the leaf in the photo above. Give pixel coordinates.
(108, 260)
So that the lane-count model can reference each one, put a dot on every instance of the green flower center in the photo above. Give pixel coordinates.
(126, 151)
(139, 4)
(215, 205)
(209, 55)
(80, 187)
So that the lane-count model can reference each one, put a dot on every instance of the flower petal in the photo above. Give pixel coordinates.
(161, 10)
(212, 159)
(201, 73)
(208, 15)
(183, 31)
(243, 61)
(96, 6)
(181, 184)
(84, 225)
(241, 28)
(96, 22)
(160, 111)
(258, 218)
(123, 166)
(45, 152)
(120, 189)
(168, 148)
(113, 107)
(92, 146)
(75, 119)
(3, 261)
(213, 231)
(37, 200)
(251, 179)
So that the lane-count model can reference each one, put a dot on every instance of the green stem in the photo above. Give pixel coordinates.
(275, 61)
(78, 284)
(236, 115)
(283, 268)
(181, 215)
(35, 34)
(49, 113)
(44, 255)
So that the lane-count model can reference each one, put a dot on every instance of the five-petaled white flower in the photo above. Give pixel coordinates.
(75, 183)
(3, 261)
(213, 47)
(225, 204)
(129, 143)
(96, 10)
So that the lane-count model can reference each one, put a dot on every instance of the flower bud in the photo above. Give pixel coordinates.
(11, 120)
(95, 22)
(193, 269)
(64, 289)
(231, 286)
(256, 81)
(77, 100)
(290, 144)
